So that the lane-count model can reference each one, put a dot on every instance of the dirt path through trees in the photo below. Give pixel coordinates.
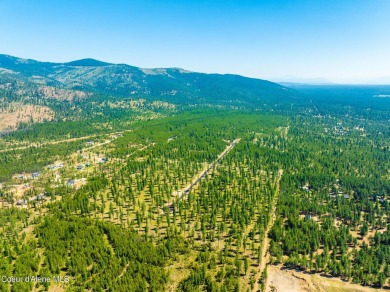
(64, 141)
(265, 245)
(183, 192)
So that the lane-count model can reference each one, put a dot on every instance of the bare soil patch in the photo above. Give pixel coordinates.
(285, 280)
(61, 94)
(19, 113)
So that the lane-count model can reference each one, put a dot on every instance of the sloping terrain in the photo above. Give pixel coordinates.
(171, 84)
(16, 114)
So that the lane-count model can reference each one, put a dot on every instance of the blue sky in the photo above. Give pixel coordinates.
(345, 41)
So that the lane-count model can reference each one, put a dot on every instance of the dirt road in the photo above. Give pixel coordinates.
(63, 141)
(265, 245)
(183, 192)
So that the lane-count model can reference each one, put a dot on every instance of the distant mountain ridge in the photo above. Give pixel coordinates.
(173, 85)
(87, 62)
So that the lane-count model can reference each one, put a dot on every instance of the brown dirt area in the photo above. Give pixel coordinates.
(60, 94)
(9, 119)
(280, 280)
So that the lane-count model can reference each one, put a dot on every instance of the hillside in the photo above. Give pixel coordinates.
(167, 84)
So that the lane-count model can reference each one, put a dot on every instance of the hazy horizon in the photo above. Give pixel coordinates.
(292, 41)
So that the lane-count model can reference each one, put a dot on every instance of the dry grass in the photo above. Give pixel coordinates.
(20, 113)
(61, 94)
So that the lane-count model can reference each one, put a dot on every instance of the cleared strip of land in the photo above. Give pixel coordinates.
(63, 141)
(265, 245)
(204, 172)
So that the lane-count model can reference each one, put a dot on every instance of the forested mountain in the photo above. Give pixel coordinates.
(167, 84)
